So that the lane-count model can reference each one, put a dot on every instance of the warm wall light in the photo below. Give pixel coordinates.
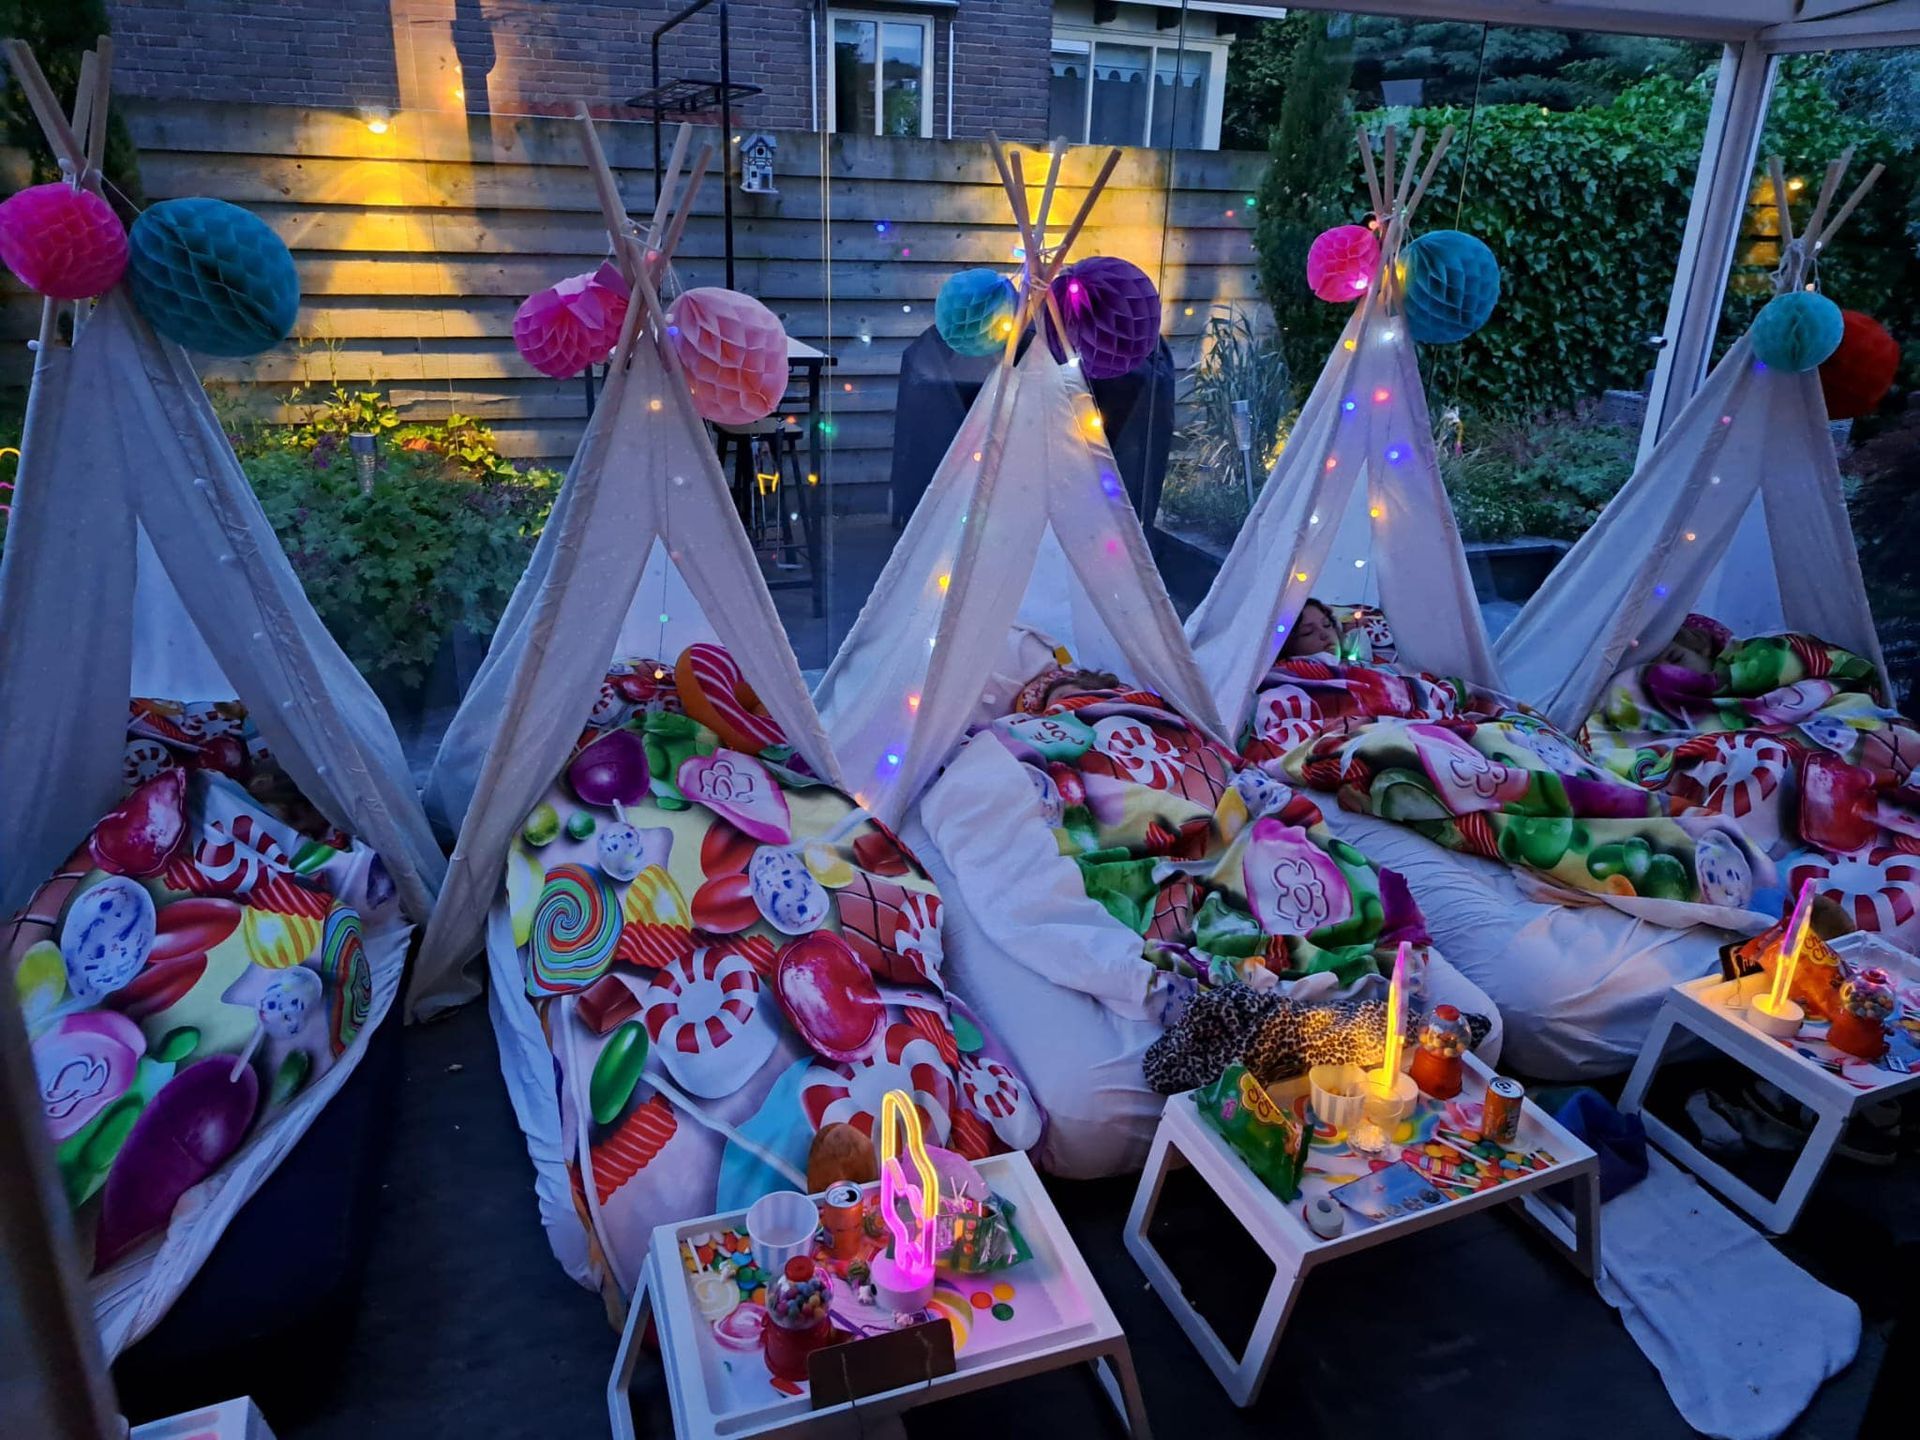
(379, 121)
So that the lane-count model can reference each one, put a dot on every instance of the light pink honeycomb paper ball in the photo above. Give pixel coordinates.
(734, 352)
(62, 242)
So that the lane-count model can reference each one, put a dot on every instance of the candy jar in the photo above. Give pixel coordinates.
(1437, 1065)
(797, 1323)
(1860, 1023)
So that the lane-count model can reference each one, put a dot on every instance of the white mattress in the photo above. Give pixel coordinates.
(1577, 985)
(1080, 1054)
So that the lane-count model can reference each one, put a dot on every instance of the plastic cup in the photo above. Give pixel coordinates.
(780, 1226)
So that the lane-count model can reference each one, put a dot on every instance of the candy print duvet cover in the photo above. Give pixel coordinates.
(1226, 874)
(1478, 773)
(197, 981)
(1790, 738)
(722, 957)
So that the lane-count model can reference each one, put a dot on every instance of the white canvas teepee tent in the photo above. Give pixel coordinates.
(139, 561)
(1027, 484)
(644, 511)
(1353, 511)
(1738, 513)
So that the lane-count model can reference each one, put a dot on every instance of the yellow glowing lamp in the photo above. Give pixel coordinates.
(1773, 1013)
(904, 1277)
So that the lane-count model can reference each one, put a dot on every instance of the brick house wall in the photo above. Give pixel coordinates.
(542, 56)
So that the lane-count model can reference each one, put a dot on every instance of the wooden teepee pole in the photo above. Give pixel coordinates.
(1860, 193)
(1433, 164)
(1373, 176)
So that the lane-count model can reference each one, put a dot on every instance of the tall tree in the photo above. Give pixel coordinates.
(1305, 188)
(60, 31)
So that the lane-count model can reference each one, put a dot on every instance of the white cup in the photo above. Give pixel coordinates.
(781, 1225)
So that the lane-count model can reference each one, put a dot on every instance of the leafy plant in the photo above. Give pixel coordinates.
(1548, 476)
(392, 569)
(1238, 361)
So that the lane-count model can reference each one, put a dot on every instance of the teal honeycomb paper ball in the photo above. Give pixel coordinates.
(1450, 283)
(1797, 330)
(212, 277)
(973, 310)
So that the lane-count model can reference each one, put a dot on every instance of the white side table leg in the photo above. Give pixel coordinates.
(1779, 1217)
(619, 1398)
(1249, 1374)
(1651, 1054)
(1114, 1370)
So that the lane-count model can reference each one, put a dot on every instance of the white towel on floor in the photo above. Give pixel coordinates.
(1742, 1336)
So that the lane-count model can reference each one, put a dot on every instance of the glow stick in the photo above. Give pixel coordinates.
(1789, 959)
(1389, 1072)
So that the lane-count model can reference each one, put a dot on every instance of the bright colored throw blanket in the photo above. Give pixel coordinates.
(189, 975)
(1791, 738)
(1226, 873)
(1478, 773)
(726, 958)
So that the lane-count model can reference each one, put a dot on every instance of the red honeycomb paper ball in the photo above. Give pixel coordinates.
(62, 242)
(734, 352)
(1857, 376)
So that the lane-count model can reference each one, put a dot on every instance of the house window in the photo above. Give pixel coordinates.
(881, 74)
(1132, 91)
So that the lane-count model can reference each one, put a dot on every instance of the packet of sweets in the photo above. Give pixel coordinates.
(1263, 1133)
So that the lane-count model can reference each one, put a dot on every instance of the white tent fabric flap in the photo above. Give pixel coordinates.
(123, 457)
(644, 479)
(1353, 512)
(1029, 462)
(1738, 512)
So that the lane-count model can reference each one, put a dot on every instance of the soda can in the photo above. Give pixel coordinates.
(1500, 1115)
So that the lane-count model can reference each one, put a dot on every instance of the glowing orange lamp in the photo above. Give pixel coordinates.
(903, 1278)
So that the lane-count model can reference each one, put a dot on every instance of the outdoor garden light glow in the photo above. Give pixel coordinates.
(379, 122)
(904, 1277)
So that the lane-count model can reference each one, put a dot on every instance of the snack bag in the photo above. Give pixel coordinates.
(1265, 1134)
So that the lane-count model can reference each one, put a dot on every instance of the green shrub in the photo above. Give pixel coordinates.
(1549, 476)
(393, 569)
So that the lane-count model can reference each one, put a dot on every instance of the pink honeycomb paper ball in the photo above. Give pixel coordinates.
(566, 327)
(62, 242)
(734, 352)
(1342, 262)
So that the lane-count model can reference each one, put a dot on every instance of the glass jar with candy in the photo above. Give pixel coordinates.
(797, 1321)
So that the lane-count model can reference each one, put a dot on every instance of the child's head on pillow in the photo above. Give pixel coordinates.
(1316, 632)
(1696, 645)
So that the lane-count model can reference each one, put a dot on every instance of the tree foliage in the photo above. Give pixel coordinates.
(60, 31)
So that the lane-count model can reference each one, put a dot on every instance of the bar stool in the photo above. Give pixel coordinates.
(770, 499)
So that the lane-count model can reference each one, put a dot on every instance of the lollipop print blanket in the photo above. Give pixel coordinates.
(1224, 872)
(1791, 738)
(1478, 773)
(196, 980)
(729, 963)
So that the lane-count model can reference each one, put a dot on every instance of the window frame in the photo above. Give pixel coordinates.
(880, 19)
(1214, 48)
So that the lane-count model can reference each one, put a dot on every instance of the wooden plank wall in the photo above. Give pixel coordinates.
(416, 246)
